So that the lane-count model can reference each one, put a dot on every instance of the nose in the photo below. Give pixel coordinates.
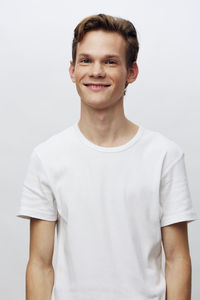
(97, 70)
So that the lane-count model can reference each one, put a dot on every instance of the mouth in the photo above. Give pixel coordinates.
(96, 87)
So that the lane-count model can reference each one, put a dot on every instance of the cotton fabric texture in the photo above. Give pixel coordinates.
(110, 204)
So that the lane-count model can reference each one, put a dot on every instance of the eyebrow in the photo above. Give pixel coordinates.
(106, 56)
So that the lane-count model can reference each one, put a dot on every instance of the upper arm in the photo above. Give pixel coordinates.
(42, 235)
(175, 241)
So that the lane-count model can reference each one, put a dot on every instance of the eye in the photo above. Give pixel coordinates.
(110, 62)
(85, 60)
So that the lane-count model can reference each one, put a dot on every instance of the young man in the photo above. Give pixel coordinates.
(116, 191)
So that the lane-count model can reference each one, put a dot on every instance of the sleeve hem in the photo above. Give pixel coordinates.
(179, 218)
(27, 214)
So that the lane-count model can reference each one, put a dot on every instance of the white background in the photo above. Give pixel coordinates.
(38, 98)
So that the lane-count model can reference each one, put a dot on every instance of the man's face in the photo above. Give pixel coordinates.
(100, 71)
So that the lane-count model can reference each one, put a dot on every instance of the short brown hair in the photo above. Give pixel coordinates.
(110, 24)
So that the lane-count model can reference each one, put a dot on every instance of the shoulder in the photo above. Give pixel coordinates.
(55, 146)
(163, 146)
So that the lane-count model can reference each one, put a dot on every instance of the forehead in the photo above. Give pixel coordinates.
(102, 42)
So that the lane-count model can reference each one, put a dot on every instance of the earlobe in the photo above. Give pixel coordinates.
(71, 71)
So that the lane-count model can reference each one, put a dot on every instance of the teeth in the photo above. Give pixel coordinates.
(97, 85)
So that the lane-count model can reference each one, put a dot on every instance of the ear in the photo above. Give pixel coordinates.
(71, 71)
(132, 73)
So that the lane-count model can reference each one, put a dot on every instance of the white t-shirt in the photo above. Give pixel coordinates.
(110, 203)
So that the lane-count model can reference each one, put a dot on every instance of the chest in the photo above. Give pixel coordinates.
(99, 186)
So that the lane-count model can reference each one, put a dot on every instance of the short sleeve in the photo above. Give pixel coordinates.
(37, 199)
(175, 198)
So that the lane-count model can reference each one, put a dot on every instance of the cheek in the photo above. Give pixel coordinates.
(78, 74)
(120, 80)
(119, 75)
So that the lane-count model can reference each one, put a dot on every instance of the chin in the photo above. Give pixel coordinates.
(96, 103)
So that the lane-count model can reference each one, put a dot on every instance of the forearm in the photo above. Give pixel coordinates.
(178, 279)
(39, 282)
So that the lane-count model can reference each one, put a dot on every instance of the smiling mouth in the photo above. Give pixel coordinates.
(96, 86)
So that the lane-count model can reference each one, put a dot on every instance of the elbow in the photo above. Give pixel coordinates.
(39, 264)
(178, 259)
(179, 264)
